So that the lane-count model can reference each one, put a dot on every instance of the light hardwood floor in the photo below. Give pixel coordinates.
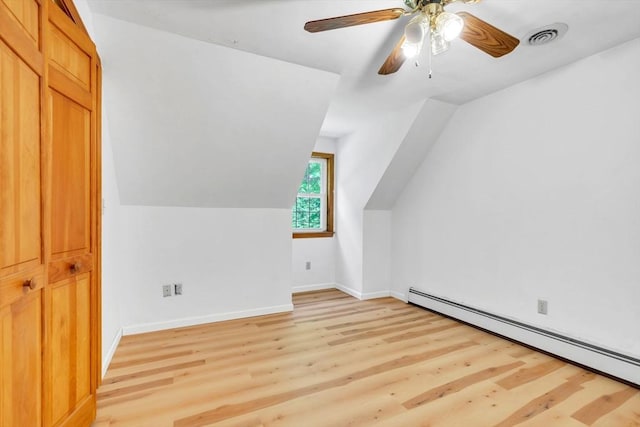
(337, 361)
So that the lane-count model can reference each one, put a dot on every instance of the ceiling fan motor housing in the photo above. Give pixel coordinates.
(413, 4)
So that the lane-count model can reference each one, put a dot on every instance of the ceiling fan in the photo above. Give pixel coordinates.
(431, 22)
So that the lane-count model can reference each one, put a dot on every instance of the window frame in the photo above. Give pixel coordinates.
(329, 214)
(320, 196)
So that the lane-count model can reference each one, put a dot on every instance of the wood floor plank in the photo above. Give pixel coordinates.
(619, 417)
(404, 320)
(421, 333)
(530, 373)
(377, 333)
(378, 319)
(337, 361)
(149, 359)
(135, 388)
(554, 417)
(600, 407)
(547, 400)
(154, 371)
(460, 384)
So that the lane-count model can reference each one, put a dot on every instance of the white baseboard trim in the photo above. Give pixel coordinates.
(590, 355)
(314, 287)
(361, 295)
(193, 321)
(400, 295)
(112, 350)
(348, 290)
(374, 295)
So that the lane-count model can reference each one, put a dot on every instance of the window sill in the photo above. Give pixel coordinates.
(313, 234)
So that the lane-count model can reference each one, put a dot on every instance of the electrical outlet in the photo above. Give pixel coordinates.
(166, 290)
(542, 306)
(177, 288)
(307, 265)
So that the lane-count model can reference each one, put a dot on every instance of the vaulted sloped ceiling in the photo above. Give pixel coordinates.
(274, 28)
(425, 130)
(196, 124)
(219, 102)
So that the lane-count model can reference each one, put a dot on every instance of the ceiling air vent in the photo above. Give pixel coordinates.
(547, 34)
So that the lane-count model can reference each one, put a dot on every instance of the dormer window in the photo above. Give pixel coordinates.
(312, 212)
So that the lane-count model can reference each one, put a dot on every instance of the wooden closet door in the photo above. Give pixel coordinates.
(71, 361)
(70, 271)
(21, 249)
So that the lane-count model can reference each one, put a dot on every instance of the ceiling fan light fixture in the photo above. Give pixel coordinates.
(449, 25)
(415, 30)
(438, 43)
(414, 34)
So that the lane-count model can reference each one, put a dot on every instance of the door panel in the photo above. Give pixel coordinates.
(20, 370)
(20, 221)
(70, 340)
(27, 13)
(70, 179)
(69, 58)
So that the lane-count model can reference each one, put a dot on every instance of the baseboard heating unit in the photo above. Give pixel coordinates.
(606, 361)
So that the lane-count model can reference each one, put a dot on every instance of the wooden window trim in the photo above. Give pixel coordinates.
(329, 232)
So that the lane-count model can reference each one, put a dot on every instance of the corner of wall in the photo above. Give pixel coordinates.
(108, 356)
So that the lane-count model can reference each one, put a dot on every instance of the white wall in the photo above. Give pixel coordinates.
(534, 192)
(376, 252)
(325, 144)
(320, 252)
(111, 283)
(375, 164)
(363, 158)
(424, 132)
(231, 262)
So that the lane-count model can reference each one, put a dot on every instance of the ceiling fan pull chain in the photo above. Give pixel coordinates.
(430, 55)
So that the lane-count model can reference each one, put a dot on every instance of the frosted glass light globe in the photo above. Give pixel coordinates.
(449, 25)
(414, 32)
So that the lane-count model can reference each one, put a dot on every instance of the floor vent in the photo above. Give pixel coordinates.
(621, 366)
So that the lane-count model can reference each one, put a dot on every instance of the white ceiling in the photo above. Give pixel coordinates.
(274, 28)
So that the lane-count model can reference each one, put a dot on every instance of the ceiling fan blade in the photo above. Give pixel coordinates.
(394, 61)
(486, 37)
(356, 19)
